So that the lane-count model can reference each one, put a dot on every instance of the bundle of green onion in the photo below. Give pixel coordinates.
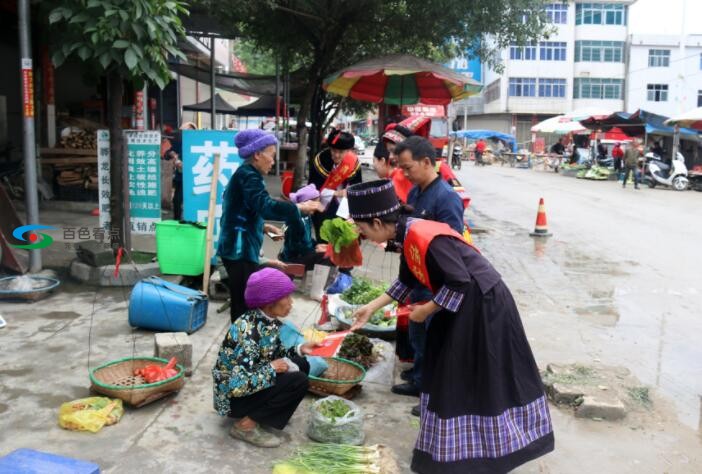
(332, 459)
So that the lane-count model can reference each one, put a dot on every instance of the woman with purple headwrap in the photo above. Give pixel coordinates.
(257, 380)
(245, 206)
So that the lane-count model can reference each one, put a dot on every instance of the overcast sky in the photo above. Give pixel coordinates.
(665, 17)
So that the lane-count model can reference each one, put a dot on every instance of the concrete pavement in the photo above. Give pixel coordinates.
(596, 291)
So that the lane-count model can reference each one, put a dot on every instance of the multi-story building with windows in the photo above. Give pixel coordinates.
(664, 73)
(583, 64)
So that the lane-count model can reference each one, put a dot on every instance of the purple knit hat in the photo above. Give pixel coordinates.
(267, 286)
(250, 141)
(305, 193)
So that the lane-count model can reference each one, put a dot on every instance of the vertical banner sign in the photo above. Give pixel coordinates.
(104, 190)
(199, 147)
(144, 166)
(139, 110)
(27, 88)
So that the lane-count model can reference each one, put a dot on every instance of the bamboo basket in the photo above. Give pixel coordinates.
(340, 377)
(116, 379)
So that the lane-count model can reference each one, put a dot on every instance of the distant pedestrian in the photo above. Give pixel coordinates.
(631, 162)
(601, 150)
(617, 155)
(479, 150)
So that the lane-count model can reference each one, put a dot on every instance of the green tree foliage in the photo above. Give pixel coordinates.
(322, 36)
(133, 37)
(124, 40)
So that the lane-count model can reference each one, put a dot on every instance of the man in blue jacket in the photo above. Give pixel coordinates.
(433, 199)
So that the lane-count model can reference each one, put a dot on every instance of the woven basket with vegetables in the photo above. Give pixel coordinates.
(128, 379)
(340, 377)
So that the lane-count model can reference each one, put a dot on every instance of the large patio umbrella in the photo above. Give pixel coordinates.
(587, 112)
(401, 79)
(690, 119)
(558, 125)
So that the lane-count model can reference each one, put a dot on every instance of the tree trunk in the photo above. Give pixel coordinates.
(115, 91)
(302, 136)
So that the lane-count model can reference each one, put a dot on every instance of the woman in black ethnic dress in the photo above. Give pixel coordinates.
(483, 406)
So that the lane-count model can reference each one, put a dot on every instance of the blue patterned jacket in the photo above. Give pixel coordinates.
(243, 365)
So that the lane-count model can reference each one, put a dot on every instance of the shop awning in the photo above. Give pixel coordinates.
(262, 107)
(241, 83)
(510, 140)
(637, 124)
(221, 106)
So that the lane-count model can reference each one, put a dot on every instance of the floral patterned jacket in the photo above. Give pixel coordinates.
(243, 365)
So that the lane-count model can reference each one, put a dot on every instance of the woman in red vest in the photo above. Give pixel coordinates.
(483, 407)
(385, 160)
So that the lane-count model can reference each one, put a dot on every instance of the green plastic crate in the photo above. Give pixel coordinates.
(180, 248)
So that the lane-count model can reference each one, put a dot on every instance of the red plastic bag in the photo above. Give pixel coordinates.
(349, 256)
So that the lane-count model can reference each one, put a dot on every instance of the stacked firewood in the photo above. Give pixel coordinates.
(77, 175)
(81, 140)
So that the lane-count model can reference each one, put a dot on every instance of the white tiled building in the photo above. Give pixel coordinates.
(665, 73)
(582, 65)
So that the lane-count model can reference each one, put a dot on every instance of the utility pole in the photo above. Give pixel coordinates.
(213, 105)
(31, 198)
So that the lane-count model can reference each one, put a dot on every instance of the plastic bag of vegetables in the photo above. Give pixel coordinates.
(336, 420)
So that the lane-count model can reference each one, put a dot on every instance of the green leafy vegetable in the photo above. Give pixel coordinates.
(332, 459)
(359, 349)
(362, 291)
(338, 233)
(333, 409)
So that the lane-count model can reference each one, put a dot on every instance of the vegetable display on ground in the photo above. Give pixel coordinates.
(363, 291)
(332, 459)
(359, 349)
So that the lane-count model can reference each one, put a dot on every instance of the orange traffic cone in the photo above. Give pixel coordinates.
(541, 227)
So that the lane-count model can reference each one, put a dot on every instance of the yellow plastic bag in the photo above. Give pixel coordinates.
(90, 414)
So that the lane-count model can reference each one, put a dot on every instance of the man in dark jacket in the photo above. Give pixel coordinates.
(631, 162)
(432, 199)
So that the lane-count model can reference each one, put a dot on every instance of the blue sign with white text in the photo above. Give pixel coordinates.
(199, 148)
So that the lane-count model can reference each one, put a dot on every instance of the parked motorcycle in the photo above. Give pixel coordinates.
(457, 156)
(695, 181)
(656, 172)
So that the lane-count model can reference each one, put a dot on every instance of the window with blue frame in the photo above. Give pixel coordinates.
(552, 87)
(598, 88)
(657, 92)
(600, 14)
(658, 58)
(525, 53)
(599, 51)
(522, 86)
(552, 51)
(557, 13)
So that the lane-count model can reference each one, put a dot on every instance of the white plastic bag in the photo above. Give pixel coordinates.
(319, 281)
(347, 429)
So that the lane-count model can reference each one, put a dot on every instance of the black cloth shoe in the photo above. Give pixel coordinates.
(408, 389)
(415, 410)
(406, 375)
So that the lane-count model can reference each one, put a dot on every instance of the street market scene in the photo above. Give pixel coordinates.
(330, 237)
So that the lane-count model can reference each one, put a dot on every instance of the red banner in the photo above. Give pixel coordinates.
(48, 69)
(27, 88)
(139, 110)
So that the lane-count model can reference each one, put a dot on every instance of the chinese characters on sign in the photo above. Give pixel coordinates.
(103, 235)
(199, 148)
(144, 169)
(104, 185)
(27, 88)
